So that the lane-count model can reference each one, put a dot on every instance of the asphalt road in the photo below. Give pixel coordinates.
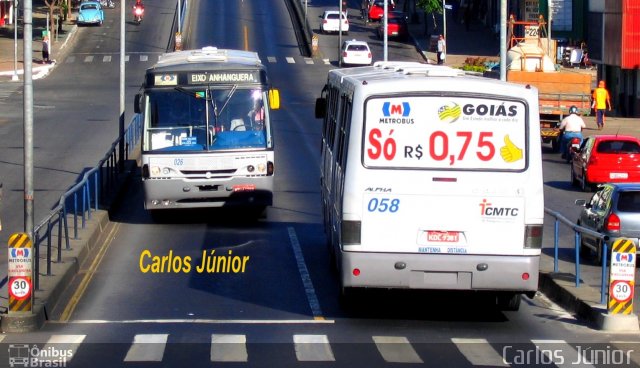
(268, 315)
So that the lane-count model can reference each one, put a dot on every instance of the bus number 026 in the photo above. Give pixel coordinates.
(383, 205)
(178, 161)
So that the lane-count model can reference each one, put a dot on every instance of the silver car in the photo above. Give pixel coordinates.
(614, 210)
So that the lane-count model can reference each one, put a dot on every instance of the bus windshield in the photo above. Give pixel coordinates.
(205, 119)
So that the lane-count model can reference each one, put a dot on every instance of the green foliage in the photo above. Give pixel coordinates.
(474, 68)
(430, 6)
(475, 61)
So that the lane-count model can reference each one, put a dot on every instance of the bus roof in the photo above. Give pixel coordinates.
(194, 59)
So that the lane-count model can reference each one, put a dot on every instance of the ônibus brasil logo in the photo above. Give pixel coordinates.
(449, 113)
(396, 113)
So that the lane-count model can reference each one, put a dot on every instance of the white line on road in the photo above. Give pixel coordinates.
(66, 343)
(147, 348)
(396, 349)
(290, 60)
(304, 274)
(479, 352)
(313, 348)
(200, 321)
(229, 348)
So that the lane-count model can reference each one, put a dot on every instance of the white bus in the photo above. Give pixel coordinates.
(431, 179)
(207, 138)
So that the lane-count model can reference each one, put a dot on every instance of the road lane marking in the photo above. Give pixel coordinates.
(290, 60)
(144, 57)
(229, 348)
(106, 59)
(64, 343)
(75, 298)
(271, 59)
(313, 348)
(70, 59)
(308, 60)
(88, 59)
(304, 275)
(203, 321)
(396, 349)
(147, 348)
(479, 352)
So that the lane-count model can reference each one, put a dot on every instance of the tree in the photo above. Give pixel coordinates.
(431, 6)
(53, 5)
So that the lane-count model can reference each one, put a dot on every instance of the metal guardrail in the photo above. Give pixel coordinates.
(578, 231)
(84, 198)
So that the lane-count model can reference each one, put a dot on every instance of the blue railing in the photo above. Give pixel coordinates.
(578, 231)
(84, 198)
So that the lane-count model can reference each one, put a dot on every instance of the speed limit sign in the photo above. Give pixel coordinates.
(621, 290)
(20, 287)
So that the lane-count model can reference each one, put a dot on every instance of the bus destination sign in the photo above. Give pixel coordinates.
(224, 77)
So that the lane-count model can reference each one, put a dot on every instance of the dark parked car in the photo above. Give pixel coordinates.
(614, 210)
(397, 26)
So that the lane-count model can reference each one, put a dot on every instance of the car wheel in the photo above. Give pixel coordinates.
(509, 301)
(585, 185)
(585, 251)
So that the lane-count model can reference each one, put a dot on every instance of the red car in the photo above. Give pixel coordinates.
(376, 9)
(606, 159)
(397, 26)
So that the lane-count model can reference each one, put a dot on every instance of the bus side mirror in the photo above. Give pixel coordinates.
(321, 107)
(274, 99)
(136, 104)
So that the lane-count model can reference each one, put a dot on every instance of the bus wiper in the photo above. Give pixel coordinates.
(226, 102)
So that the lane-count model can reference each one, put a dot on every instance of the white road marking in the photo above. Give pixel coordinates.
(201, 321)
(271, 59)
(67, 344)
(144, 57)
(479, 352)
(396, 349)
(290, 60)
(106, 59)
(88, 59)
(560, 354)
(70, 59)
(229, 348)
(126, 58)
(304, 275)
(147, 348)
(308, 60)
(313, 348)
(326, 61)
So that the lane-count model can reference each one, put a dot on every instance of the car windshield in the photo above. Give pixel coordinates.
(332, 16)
(89, 7)
(618, 146)
(357, 48)
(629, 201)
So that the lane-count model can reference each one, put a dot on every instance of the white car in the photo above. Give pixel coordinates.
(331, 22)
(355, 53)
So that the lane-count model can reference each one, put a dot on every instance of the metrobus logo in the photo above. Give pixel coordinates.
(402, 109)
(19, 252)
(624, 257)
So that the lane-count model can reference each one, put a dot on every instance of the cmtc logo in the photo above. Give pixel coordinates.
(449, 113)
(396, 110)
(19, 252)
(396, 113)
(624, 257)
(488, 210)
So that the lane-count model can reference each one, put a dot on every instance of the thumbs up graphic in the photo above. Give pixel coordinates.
(510, 152)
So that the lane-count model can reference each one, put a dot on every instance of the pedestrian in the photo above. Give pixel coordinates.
(45, 50)
(601, 101)
(442, 50)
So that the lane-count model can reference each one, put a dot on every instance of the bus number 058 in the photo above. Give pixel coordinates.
(383, 205)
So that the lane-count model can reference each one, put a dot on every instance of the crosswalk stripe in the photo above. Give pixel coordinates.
(126, 58)
(67, 344)
(560, 353)
(313, 348)
(396, 349)
(271, 59)
(326, 61)
(228, 348)
(106, 59)
(308, 60)
(290, 60)
(479, 352)
(88, 59)
(147, 348)
(144, 57)
(70, 59)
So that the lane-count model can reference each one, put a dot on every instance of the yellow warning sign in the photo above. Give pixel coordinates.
(622, 277)
(20, 263)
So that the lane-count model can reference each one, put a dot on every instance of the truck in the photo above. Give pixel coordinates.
(559, 88)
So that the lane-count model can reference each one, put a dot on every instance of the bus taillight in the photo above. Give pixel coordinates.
(533, 237)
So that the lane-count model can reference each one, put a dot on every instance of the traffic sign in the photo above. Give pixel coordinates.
(621, 290)
(622, 277)
(20, 287)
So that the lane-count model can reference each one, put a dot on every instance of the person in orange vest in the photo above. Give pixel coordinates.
(601, 101)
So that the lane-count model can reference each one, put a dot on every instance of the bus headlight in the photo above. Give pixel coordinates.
(262, 168)
(155, 170)
(166, 171)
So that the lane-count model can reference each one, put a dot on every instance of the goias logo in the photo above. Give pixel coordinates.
(449, 113)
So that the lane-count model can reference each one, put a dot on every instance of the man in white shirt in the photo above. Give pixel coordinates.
(571, 126)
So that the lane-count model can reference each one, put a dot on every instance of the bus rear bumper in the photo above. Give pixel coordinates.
(440, 271)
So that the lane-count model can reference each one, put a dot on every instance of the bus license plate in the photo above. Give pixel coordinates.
(442, 236)
(615, 175)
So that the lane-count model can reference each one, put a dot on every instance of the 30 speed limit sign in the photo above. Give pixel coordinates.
(20, 287)
(621, 290)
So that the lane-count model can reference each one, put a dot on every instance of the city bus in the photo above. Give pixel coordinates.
(431, 179)
(207, 138)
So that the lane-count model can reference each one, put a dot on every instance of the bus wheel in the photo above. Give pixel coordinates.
(509, 301)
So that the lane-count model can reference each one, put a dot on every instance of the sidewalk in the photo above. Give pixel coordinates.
(9, 67)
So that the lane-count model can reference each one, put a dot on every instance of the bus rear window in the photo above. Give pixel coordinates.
(433, 132)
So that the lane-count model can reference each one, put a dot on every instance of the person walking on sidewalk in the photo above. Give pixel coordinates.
(442, 50)
(601, 101)
(45, 50)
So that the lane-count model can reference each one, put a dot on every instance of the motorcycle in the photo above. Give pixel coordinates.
(137, 14)
(573, 146)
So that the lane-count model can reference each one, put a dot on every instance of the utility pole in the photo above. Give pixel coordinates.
(122, 92)
(503, 40)
(28, 117)
(15, 41)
